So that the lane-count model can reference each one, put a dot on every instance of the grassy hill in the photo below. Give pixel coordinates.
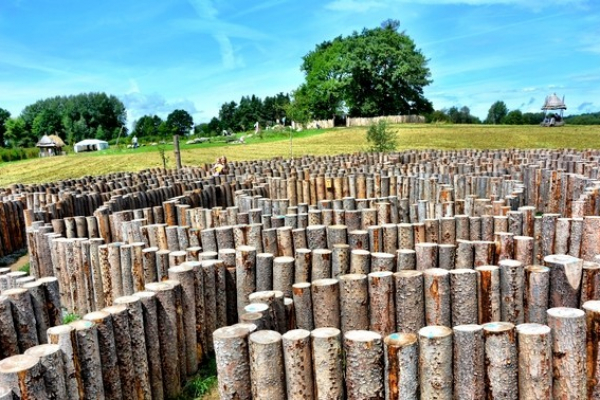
(318, 142)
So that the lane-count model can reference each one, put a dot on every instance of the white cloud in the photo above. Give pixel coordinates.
(140, 104)
(354, 5)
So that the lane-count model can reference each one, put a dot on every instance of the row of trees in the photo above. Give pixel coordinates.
(178, 122)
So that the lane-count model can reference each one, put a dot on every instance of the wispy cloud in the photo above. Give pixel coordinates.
(139, 104)
(355, 5)
(265, 5)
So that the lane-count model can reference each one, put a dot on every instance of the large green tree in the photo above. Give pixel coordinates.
(4, 116)
(180, 122)
(496, 113)
(375, 72)
(147, 126)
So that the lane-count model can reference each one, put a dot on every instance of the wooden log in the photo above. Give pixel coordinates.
(401, 355)
(358, 240)
(382, 262)
(24, 375)
(233, 366)
(245, 261)
(298, 362)
(96, 274)
(565, 280)
(111, 377)
(354, 305)
(535, 361)
(302, 265)
(269, 241)
(327, 363)
(336, 234)
(266, 365)
(88, 354)
(167, 335)
(592, 319)
(9, 344)
(427, 255)
(436, 284)
(65, 337)
(464, 254)
(264, 272)
(283, 274)
(39, 308)
(150, 318)
(511, 291)
(53, 369)
(435, 362)
(501, 360)
(406, 259)
(488, 294)
(138, 345)
(122, 337)
(364, 365)
(463, 296)
(23, 317)
(590, 282)
(285, 242)
(126, 269)
(115, 275)
(568, 353)
(340, 260)
(469, 362)
(303, 305)
(185, 274)
(208, 319)
(382, 313)
(275, 301)
(299, 238)
(446, 256)
(483, 253)
(536, 294)
(162, 264)
(410, 304)
(360, 262)
(316, 237)
(325, 299)
(590, 245)
(321, 264)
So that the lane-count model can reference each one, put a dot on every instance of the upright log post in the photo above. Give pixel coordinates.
(536, 294)
(488, 294)
(401, 354)
(511, 291)
(89, 359)
(535, 361)
(463, 296)
(592, 319)
(65, 337)
(53, 369)
(233, 363)
(410, 303)
(382, 313)
(325, 300)
(438, 310)
(565, 280)
(364, 365)
(354, 302)
(501, 360)
(435, 362)
(327, 363)
(298, 364)
(469, 362)
(24, 375)
(266, 365)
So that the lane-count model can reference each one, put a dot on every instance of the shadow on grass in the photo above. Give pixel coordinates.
(201, 383)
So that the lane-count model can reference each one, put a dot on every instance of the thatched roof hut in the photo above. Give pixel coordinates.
(553, 102)
(50, 145)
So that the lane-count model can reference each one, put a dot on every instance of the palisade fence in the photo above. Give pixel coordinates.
(421, 274)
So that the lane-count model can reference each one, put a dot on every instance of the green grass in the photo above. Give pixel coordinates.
(70, 317)
(314, 142)
(25, 268)
(201, 383)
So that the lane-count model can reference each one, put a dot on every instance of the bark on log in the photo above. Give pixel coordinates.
(535, 361)
(283, 275)
(592, 319)
(24, 375)
(568, 352)
(245, 261)
(264, 272)
(523, 249)
(358, 240)
(167, 335)
(66, 338)
(302, 265)
(111, 377)
(9, 344)
(463, 296)
(401, 354)
(325, 299)
(536, 293)
(410, 303)
(438, 309)
(321, 264)
(53, 369)
(465, 254)
(469, 362)
(406, 260)
(382, 313)
(501, 360)
(590, 245)
(565, 280)
(233, 366)
(435, 362)
(360, 262)
(364, 365)
(590, 282)
(266, 365)
(340, 260)
(122, 335)
(298, 364)
(327, 363)
(138, 345)
(150, 315)
(488, 294)
(511, 291)
(40, 308)
(23, 317)
(303, 305)
(382, 262)
(427, 255)
(275, 300)
(88, 354)
(354, 302)
(316, 237)
(483, 253)
(285, 242)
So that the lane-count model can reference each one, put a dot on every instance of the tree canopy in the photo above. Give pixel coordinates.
(375, 72)
(497, 112)
(4, 116)
(180, 122)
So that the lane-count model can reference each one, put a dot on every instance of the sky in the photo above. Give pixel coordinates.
(158, 56)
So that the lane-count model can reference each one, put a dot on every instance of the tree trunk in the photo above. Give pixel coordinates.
(316, 236)
(88, 354)
(483, 253)
(427, 255)
(592, 317)
(303, 305)
(590, 282)
(360, 262)
(245, 261)
(568, 352)
(364, 365)
(354, 302)
(326, 306)
(285, 242)
(469, 362)
(488, 294)
(435, 362)
(535, 361)
(275, 300)
(535, 297)
(298, 364)
(264, 272)
(511, 291)
(65, 337)
(463, 296)
(233, 363)
(382, 312)
(406, 260)
(401, 354)
(358, 240)
(410, 303)
(382, 262)
(327, 363)
(565, 280)
(501, 360)
(122, 334)
(283, 275)
(24, 374)
(266, 365)
(340, 260)
(111, 377)
(436, 283)
(53, 369)
(23, 317)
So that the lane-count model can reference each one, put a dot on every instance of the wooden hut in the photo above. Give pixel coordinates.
(553, 111)
(50, 145)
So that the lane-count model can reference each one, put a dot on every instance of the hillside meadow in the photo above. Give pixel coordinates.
(316, 142)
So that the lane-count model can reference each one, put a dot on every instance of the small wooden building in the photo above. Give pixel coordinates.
(553, 111)
(50, 145)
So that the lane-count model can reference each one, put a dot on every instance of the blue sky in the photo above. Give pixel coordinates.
(157, 56)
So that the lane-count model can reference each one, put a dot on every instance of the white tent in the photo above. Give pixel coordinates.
(90, 145)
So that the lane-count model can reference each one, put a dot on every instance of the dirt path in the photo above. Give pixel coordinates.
(20, 262)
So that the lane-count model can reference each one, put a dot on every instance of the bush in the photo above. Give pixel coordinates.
(380, 138)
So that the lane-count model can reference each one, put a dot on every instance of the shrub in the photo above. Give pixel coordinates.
(380, 138)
